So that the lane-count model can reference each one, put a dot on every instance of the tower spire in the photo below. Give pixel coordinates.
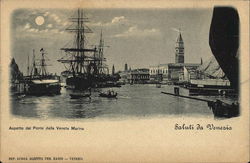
(113, 70)
(179, 49)
(126, 67)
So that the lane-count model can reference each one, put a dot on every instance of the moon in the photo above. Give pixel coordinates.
(39, 20)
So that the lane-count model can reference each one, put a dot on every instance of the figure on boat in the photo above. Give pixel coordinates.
(108, 94)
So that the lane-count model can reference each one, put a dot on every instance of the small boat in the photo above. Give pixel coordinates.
(79, 95)
(222, 109)
(21, 96)
(158, 85)
(39, 81)
(109, 84)
(109, 94)
(219, 108)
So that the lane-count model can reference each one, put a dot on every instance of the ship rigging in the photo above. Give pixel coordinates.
(86, 65)
(38, 80)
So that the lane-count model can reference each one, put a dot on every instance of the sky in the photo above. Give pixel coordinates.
(138, 37)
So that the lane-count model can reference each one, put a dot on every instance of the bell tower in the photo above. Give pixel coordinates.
(179, 50)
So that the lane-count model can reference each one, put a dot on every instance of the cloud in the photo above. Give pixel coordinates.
(56, 18)
(46, 13)
(118, 19)
(115, 21)
(49, 25)
(134, 31)
(27, 26)
(65, 23)
(33, 12)
(44, 31)
(56, 25)
(33, 30)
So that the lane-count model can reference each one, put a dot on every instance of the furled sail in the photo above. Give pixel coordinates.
(211, 69)
(224, 41)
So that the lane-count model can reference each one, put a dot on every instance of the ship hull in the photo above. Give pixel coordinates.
(82, 83)
(78, 83)
(42, 87)
(221, 109)
(210, 87)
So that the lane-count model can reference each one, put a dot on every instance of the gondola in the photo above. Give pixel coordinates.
(77, 96)
(109, 94)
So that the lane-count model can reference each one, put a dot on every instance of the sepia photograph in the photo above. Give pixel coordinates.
(91, 63)
(119, 81)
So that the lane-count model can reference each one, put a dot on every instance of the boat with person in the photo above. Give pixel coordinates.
(108, 94)
(79, 95)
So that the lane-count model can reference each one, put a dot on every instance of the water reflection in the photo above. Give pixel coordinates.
(135, 100)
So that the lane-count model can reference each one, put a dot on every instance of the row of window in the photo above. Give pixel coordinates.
(140, 76)
(158, 71)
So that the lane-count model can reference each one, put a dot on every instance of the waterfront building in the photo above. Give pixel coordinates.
(159, 72)
(138, 76)
(189, 73)
(124, 76)
(175, 72)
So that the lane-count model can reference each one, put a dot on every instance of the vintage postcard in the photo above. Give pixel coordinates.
(124, 81)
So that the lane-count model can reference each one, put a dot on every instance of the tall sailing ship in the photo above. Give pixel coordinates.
(38, 80)
(85, 66)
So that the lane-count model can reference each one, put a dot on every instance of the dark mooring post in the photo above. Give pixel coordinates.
(176, 91)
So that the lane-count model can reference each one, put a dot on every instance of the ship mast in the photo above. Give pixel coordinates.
(101, 65)
(43, 71)
(33, 71)
(28, 67)
(101, 44)
(80, 60)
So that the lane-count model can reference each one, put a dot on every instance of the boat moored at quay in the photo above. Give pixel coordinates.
(38, 80)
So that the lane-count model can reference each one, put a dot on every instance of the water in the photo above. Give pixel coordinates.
(132, 101)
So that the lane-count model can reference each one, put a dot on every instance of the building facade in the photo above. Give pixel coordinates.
(173, 72)
(159, 72)
(136, 76)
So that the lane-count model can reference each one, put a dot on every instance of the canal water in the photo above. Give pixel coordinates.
(133, 101)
